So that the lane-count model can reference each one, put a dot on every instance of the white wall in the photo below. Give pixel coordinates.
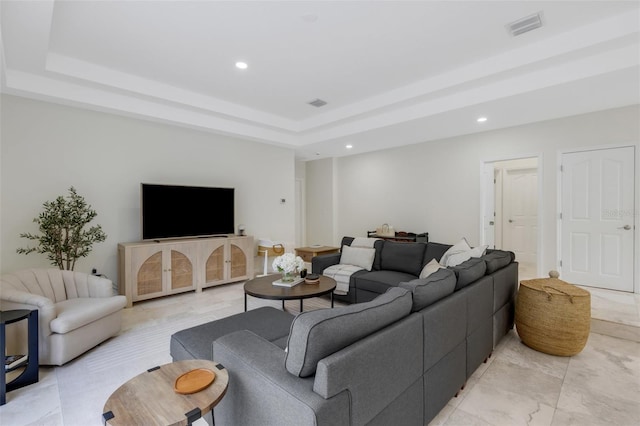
(320, 195)
(46, 148)
(435, 186)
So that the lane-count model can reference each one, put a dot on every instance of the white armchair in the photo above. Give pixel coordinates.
(76, 311)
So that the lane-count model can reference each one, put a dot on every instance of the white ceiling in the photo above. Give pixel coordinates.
(392, 72)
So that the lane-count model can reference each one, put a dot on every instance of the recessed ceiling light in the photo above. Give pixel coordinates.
(241, 65)
(348, 146)
(481, 119)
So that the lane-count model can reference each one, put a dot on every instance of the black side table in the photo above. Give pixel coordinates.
(30, 374)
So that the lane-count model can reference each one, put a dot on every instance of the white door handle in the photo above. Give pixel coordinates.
(626, 227)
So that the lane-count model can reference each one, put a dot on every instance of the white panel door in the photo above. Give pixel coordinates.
(520, 214)
(597, 237)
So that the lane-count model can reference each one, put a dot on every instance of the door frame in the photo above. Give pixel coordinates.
(540, 224)
(504, 174)
(301, 212)
(635, 218)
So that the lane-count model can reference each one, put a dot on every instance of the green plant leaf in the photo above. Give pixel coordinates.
(63, 237)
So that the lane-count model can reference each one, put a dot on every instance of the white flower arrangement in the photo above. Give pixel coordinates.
(288, 263)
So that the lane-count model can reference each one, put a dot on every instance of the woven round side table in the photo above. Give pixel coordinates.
(553, 316)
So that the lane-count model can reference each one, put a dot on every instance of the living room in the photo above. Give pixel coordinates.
(62, 127)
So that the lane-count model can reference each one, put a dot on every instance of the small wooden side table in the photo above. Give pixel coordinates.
(308, 253)
(149, 397)
(30, 373)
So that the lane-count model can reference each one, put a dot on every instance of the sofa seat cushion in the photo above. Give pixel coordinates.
(427, 291)
(317, 334)
(75, 313)
(402, 257)
(197, 342)
(497, 259)
(380, 281)
(469, 271)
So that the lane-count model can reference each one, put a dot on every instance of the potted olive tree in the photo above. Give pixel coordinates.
(62, 235)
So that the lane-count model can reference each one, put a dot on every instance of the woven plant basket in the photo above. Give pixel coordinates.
(553, 316)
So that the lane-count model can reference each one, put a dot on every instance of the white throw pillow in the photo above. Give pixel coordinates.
(358, 256)
(430, 268)
(458, 258)
(459, 247)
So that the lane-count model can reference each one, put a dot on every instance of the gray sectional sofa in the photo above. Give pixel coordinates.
(394, 359)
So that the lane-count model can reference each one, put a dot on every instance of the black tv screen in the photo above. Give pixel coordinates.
(171, 211)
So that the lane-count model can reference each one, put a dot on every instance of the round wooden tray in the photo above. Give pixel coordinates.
(194, 381)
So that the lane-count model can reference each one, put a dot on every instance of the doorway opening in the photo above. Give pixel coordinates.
(512, 210)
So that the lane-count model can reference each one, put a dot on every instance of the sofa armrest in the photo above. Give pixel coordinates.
(373, 371)
(261, 391)
(16, 299)
(322, 262)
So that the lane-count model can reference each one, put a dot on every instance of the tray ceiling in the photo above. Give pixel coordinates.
(392, 73)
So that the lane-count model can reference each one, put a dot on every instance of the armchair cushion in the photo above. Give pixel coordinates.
(75, 313)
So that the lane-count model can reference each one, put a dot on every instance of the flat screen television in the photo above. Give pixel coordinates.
(172, 211)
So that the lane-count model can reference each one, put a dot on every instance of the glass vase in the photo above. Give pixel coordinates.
(288, 277)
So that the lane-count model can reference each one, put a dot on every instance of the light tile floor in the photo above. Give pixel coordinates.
(599, 386)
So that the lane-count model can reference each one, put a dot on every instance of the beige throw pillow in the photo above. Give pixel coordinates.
(430, 268)
(358, 256)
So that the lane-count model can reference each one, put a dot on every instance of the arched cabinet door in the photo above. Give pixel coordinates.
(215, 265)
(226, 260)
(149, 274)
(181, 271)
(161, 269)
(241, 259)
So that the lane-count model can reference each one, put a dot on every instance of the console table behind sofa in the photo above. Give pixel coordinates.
(402, 237)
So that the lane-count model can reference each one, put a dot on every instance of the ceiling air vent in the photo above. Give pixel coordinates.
(317, 103)
(526, 24)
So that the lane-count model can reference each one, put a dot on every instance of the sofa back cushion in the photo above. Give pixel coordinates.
(497, 259)
(57, 285)
(346, 241)
(427, 291)
(434, 251)
(402, 257)
(316, 334)
(469, 271)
